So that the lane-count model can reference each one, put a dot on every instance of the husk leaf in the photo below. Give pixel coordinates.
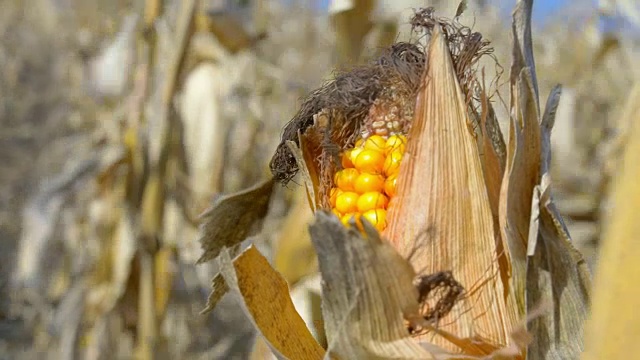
(442, 194)
(264, 296)
(366, 292)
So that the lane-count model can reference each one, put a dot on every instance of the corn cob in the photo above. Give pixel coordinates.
(367, 182)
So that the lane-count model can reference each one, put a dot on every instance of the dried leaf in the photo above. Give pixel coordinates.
(615, 321)
(557, 274)
(232, 218)
(218, 289)
(521, 175)
(522, 51)
(366, 291)
(546, 124)
(264, 296)
(443, 214)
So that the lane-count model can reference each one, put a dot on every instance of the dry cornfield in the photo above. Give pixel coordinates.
(217, 179)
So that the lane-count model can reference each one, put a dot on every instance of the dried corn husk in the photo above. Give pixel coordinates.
(264, 296)
(443, 214)
(367, 290)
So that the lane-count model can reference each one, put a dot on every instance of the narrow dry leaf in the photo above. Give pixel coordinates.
(367, 291)
(441, 188)
(264, 296)
(232, 218)
(546, 125)
(615, 321)
(218, 289)
(521, 175)
(522, 52)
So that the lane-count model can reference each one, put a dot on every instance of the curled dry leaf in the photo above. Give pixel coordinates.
(232, 218)
(264, 296)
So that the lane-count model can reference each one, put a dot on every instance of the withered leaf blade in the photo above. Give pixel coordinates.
(263, 294)
(219, 288)
(546, 124)
(366, 291)
(233, 218)
(556, 273)
(522, 51)
(521, 175)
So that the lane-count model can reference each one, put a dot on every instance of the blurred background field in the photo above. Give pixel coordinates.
(121, 120)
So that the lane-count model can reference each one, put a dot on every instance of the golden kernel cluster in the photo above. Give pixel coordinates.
(368, 178)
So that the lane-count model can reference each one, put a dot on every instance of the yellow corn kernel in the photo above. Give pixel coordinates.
(395, 142)
(336, 213)
(390, 185)
(346, 159)
(371, 161)
(372, 200)
(353, 154)
(347, 202)
(345, 178)
(375, 142)
(333, 195)
(392, 162)
(377, 217)
(366, 182)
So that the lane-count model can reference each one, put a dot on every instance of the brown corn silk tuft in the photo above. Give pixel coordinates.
(442, 218)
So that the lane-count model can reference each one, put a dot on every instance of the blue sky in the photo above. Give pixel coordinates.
(541, 8)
